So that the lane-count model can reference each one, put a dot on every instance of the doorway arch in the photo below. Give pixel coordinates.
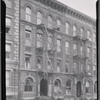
(43, 87)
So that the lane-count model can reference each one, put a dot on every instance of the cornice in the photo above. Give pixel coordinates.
(54, 4)
(68, 10)
(80, 16)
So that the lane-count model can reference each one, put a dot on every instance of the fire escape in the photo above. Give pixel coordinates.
(81, 58)
(45, 72)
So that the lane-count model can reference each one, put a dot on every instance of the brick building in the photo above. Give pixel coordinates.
(50, 52)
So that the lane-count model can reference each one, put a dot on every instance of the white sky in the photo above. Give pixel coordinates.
(87, 7)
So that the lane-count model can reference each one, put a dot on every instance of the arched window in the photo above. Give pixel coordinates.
(29, 84)
(87, 85)
(74, 30)
(58, 24)
(81, 32)
(67, 28)
(50, 22)
(95, 87)
(89, 35)
(68, 86)
(57, 86)
(39, 17)
(28, 13)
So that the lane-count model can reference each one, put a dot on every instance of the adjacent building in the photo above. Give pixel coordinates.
(50, 52)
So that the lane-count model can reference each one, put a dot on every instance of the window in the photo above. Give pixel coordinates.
(88, 69)
(7, 77)
(67, 67)
(89, 35)
(68, 87)
(87, 87)
(94, 37)
(28, 14)
(8, 51)
(39, 40)
(28, 37)
(67, 47)
(95, 87)
(8, 3)
(74, 30)
(57, 86)
(39, 17)
(88, 51)
(81, 32)
(27, 61)
(94, 70)
(49, 63)
(28, 85)
(49, 42)
(50, 22)
(58, 24)
(81, 49)
(75, 68)
(8, 24)
(58, 45)
(67, 28)
(94, 56)
(39, 62)
(74, 48)
(58, 65)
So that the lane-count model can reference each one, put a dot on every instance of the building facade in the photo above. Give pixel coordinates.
(50, 52)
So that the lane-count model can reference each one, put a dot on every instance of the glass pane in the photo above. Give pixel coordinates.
(8, 21)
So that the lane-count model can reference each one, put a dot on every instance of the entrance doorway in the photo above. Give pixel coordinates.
(43, 87)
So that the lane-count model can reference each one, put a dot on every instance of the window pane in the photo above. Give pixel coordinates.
(7, 78)
(39, 40)
(28, 10)
(58, 45)
(58, 22)
(8, 21)
(27, 61)
(67, 28)
(67, 47)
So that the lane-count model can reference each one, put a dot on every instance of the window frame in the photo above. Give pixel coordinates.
(39, 39)
(67, 28)
(58, 45)
(50, 22)
(10, 45)
(39, 17)
(67, 47)
(28, 15)
(74, 30)
(28, 64)
(58, 24)
(29, 87)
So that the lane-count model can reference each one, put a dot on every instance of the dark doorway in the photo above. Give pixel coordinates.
(78, 89)
(43, 87)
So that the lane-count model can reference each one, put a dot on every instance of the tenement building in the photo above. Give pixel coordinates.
(50, 52)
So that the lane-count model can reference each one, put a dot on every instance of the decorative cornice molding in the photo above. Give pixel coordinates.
(54, 4)
(76, 14)
(68, 10)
